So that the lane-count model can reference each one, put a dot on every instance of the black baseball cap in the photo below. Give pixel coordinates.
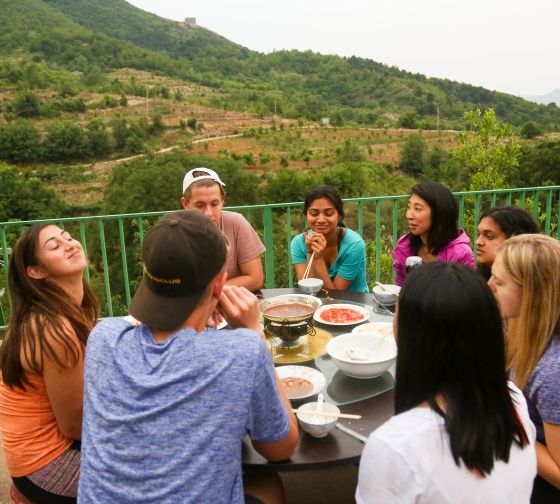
(182, 253)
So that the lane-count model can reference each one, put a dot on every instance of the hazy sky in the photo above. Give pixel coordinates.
(506, 45)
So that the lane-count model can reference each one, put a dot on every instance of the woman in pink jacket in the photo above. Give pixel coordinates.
(433, 234)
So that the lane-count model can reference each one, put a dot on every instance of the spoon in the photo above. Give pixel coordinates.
(380, 285)
(318, 409)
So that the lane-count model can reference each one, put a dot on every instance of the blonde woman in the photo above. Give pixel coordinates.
(526, 282)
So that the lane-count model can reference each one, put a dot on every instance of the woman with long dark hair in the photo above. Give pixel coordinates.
(495, 226)
(339, 253)
(526, 283)
(41, 359)
(433, 234)
(461, 431)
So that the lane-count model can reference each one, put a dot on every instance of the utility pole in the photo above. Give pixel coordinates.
(437, 119)
(147, 103)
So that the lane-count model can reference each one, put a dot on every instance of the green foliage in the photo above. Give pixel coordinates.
(97, 138)
(26, 104)
(409, 120)
(539, 164)
(19, 141)
(414, 155)
(64, 142)
(491, 152)
(531, 129)
(23, 196)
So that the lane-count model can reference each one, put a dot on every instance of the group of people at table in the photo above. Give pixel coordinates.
(153, 408)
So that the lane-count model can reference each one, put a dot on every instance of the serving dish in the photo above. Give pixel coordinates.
(341, 314)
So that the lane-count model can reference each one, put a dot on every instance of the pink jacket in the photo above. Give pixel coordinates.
(457, 250)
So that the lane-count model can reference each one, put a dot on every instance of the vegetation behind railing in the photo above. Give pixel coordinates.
(112, 242)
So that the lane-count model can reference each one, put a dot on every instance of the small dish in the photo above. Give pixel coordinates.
(341, 314)
(300, 382)
(316, 425)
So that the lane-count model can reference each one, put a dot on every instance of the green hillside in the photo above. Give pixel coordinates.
(304, 83)
(110, 34)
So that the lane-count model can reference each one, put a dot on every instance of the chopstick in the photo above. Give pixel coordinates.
(308, 269)
(328, 414)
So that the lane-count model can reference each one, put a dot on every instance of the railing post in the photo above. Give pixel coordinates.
(270, 280)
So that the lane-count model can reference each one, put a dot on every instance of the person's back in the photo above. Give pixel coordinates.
(164, 421)
(462, 432)
(168, 401)
(409, 459)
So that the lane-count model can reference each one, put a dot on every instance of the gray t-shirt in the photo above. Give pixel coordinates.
(163, 422)
(541, 392)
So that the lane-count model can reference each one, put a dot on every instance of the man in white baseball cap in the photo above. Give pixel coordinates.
(203, 190)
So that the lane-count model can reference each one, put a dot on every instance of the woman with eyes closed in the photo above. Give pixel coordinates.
(433, 234)
(204, 191)
(495, 226)
(339, 254)
(41, 359)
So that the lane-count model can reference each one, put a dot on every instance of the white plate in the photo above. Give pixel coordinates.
(316, 378)
(375, 327)
(363, 312)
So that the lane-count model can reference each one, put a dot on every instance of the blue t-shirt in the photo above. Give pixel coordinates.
(541, 391)
(164, 422)
(350, 262)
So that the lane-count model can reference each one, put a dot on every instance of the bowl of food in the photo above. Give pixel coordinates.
(310, 285)
(317, 425)
(386, 294)
(289, 308)
(300, 382)
(363, 354)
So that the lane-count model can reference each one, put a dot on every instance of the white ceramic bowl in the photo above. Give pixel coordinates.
(310, 285)
(363, 354)
(386, 294)
(316, 425)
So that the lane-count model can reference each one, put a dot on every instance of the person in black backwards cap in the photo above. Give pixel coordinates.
(167, 401)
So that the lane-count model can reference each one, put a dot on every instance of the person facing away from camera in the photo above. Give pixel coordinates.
(526, 282)
(495, 226)
(433, 234)
(41, 359)
(337, 254)
(167, 401)
(462, 432)
(204, 191)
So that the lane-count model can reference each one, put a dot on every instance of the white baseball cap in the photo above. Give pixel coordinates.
(190, 179)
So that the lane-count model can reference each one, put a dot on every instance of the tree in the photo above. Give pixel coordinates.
(97, 138)
(530, 130)
(26, 104)
(23, 196)
(20, 141)
(490, 151)
(64, 141)
(413, 155)
(409, 120)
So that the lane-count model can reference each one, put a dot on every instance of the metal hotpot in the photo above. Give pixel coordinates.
(285, 326)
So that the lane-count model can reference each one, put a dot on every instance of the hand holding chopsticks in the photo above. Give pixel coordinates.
(329, 414)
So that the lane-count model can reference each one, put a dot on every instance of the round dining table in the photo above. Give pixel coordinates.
(372, 399)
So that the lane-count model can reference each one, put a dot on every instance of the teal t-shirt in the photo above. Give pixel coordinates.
(350, 262)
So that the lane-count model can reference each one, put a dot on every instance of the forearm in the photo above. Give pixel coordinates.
(319, 270)
(247, 281)
(547, 467)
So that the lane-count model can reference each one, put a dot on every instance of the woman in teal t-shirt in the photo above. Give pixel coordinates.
(339, 253)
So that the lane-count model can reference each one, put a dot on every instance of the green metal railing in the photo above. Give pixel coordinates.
(112, 242)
